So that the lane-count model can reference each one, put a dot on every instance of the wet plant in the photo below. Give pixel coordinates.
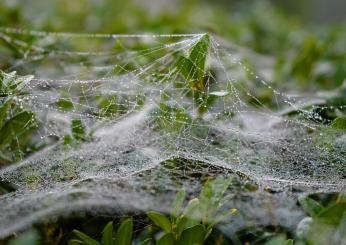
(184, 226)
(16, 123)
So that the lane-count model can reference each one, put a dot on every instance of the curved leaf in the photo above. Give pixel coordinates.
(107, 234)
(310, 206)
(160, 220)
(166, 239)
(193, 235)
(15, 127)
(178, 203)
(85, 238)
(124, 232)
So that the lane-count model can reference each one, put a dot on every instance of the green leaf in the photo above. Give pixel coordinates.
(192, 212)
(107, 234)
(160, 220)
(198, 56)
(65, 104)
(75, 242)
(312, 207)
(146, 241)
(279, 240)
(166, 239)
(85, 238)
(185, 66)
(339, 123)
(124, 233)
(68, 140)
(289, 242)
(193, 235)
(78, 129)
(178, 203)
(193, 67)
(208, 231)
(15, 127)
(3, 110)
(108, 106)
(212, 196)
(214, 190)
(11, 84)
(181, 224)
(332, 214)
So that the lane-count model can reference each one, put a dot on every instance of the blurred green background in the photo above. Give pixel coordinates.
(305, 38)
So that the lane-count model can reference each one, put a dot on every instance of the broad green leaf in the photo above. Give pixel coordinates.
(160, 220)
(198, 56)
(124, 233)
(339, 123)
(310, 206)
(178, 203)
(15, 127)
(332, 214)
(193, 236)
(212, 197)
(3, 110)
(78, 129)
(193, 67)
(214, 191)
(107, 234)
(166, 239)
(85, 238)
(181, 224)
(185, 66)
(65, 104)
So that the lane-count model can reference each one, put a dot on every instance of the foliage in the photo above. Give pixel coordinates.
(300, 58)
(326, 224)
(195, 223)
(78, 134)
(16, 123)
(193, 69)
(123, 235)
(189, 226)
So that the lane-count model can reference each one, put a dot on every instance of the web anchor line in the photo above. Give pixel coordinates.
(18, 31)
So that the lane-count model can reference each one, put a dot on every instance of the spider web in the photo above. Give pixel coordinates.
(150, 136)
